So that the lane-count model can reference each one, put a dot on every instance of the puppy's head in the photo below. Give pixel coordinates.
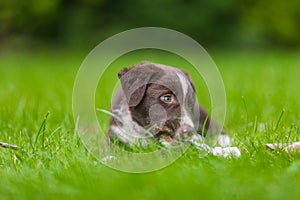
(160, 99)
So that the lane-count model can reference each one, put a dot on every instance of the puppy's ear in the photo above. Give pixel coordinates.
(124, 71)
(127, 69)
(134, 81)
(189, 78)
(127, 82)
(137, 96)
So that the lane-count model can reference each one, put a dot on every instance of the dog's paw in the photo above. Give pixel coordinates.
(107, 159)
(224, 140)
(226, 152)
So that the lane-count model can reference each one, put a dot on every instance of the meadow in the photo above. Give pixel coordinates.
(263, 106)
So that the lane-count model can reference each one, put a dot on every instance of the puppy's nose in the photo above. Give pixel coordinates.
(184, 132)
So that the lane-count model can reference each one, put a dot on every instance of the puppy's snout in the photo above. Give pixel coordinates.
(186, 129)
(184, 132)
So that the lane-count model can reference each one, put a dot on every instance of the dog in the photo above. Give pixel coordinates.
(158, 103)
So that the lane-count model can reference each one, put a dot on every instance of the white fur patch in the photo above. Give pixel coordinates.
(185, 117)
(130, 132)
(184, 83)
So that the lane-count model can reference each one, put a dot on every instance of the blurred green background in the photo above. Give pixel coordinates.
(85, 23)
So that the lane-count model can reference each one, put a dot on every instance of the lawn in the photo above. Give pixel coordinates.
(263, 106)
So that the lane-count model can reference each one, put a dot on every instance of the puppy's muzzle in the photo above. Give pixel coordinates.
(184, 132)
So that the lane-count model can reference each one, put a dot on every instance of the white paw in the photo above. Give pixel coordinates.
(224, 141)
(226, 152)
(108, 158)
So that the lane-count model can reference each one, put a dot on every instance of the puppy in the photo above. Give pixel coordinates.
(158, 103)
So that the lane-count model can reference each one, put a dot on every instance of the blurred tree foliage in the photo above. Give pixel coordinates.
(80, 22)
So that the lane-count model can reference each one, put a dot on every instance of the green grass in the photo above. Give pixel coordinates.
(263, 104)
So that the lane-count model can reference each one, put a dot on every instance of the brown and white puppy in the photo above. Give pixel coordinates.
(157, 102)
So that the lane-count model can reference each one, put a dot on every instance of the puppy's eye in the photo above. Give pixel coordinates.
(167, 98)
